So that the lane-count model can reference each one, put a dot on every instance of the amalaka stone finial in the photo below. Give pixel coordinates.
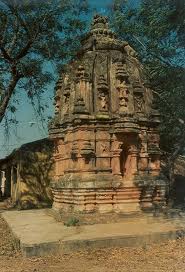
(99, 21)
(100, 27)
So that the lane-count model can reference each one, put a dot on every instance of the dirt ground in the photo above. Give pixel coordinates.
(164, 257)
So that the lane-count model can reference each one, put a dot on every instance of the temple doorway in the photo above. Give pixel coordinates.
(123, 160)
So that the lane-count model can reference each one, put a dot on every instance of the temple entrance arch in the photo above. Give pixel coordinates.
(123, 160)
(128, 155)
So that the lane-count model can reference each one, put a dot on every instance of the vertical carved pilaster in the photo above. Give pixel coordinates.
(116, 151)
(83, 88)
(57, 101)
(66, 96)
(122, 86)
(123, 94)
(154, 152)
(131, 162)
(143, 152)
(139, 102)
(133, 152)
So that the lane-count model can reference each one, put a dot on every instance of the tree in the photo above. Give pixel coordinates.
(156, 31)
(32, 35)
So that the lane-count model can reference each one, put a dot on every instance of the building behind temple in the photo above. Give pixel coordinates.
(25, 175)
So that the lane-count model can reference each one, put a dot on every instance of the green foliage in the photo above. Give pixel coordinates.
(73, 221)
(33, 36)
(155, 29)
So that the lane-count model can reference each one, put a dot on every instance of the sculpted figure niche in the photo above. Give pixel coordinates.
(105, 130)
(103, 94)
(123, 97)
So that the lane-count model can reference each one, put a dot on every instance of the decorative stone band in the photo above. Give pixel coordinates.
(125, 200)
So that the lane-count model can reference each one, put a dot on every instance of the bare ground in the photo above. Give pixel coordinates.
(164, 257)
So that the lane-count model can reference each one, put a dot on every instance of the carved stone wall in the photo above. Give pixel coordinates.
(105, 130)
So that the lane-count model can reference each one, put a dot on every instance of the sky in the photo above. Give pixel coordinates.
(29, 128)
(100, 5)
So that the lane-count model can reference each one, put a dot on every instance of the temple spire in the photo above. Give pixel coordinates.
(100, 22)
(100, 27)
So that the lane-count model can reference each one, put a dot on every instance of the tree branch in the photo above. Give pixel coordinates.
(151, 53)
(31, 40)
(169, 107)
(14, 12)
(24, 50)
(180, 144)
(5, 54)
(4, 32)
(8, 93)
(14, 39)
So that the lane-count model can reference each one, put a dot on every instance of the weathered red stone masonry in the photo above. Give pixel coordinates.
(105, 130)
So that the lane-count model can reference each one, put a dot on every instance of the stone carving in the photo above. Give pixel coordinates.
(56, 148)
(104, 148)
(66, 99)
(116, 144)
(66, 79)
(79, 106)
(57, 104)
(103, 94)
(121, 73)
(108, 127)
(57, 96)
(123, 96)
(74, 150)
(99, 22)
(83, 90)
(143, 141)
(138, 96)
(130, 51)
(122, 87)
(154, 142)
(87, 151)
(103, 102)
(99, 27)
(81, 74)
(102, 84)
(139, 103)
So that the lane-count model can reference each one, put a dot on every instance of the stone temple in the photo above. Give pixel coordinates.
(105, 130)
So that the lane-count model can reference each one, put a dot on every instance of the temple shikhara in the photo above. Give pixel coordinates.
(105, 130)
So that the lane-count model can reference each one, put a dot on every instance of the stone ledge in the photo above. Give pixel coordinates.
(39, 234)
